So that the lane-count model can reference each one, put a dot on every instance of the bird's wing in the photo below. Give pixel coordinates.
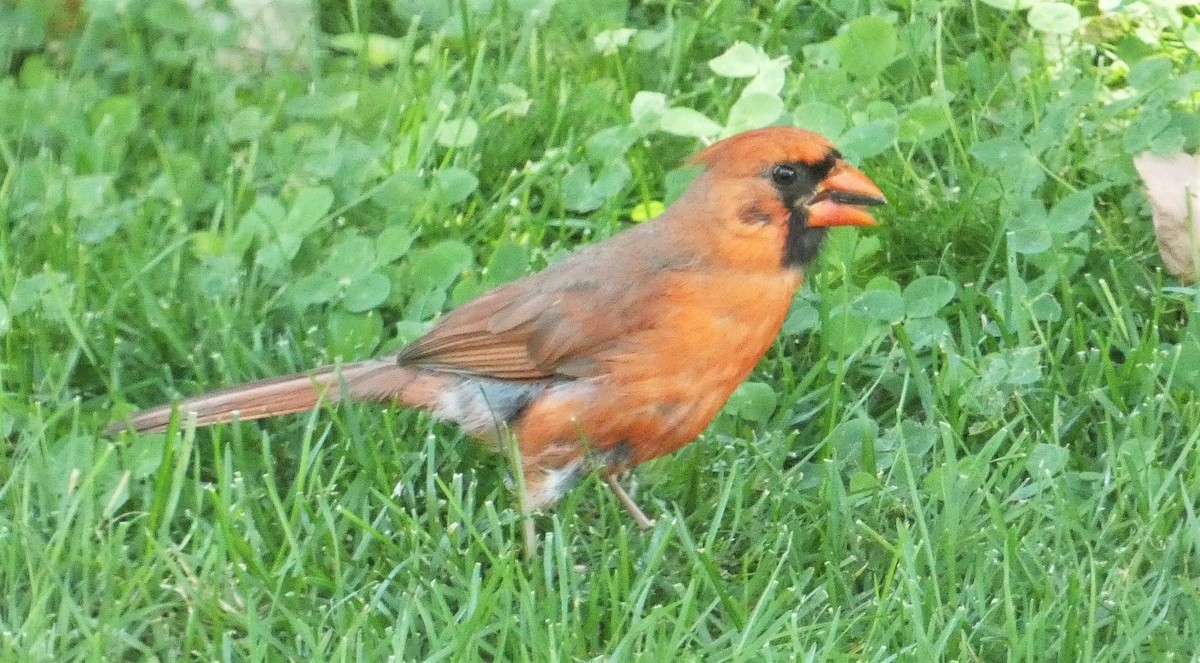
(550, 324)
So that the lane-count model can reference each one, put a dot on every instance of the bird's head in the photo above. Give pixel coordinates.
(779, 189)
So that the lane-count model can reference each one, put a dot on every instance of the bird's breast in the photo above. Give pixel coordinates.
(660, 386)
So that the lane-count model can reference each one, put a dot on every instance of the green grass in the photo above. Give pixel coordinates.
(975, 441)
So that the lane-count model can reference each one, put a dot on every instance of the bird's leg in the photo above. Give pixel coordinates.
(530, 535)
(513, 449)
(634, 510)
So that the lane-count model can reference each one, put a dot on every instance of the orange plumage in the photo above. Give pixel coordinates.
(625, 350)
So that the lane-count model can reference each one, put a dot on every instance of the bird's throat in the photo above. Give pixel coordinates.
(801, 245)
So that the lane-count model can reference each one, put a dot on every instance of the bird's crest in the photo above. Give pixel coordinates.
(748, 153)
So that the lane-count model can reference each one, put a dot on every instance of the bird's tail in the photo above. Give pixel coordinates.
(371, 380)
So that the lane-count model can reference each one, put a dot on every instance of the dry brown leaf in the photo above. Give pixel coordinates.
(1173, 187)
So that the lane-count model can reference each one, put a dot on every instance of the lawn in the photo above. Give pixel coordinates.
(976, 439)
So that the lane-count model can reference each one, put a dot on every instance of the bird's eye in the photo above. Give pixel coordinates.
(784, 174)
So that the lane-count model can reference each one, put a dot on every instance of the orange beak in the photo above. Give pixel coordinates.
(840, 199)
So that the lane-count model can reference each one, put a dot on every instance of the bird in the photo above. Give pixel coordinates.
(623, 351)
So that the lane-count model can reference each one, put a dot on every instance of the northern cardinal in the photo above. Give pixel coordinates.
(623, 351)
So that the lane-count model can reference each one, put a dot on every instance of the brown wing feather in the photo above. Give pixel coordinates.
(549, 324)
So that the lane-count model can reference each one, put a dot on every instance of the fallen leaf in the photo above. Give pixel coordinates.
(1173, 187)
